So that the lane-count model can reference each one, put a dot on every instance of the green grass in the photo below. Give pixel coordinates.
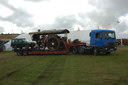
(64, 69)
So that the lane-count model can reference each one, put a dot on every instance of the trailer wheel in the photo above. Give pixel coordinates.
(25, 52)
(81, 49)
(95, 51)
(74, 50)
(108, 53)
(19, 53)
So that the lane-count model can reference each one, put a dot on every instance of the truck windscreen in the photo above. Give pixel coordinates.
(109, 35)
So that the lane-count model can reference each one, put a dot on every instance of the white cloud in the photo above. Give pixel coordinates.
(16, 3)
(4, 11)
(9, 27)
(46, 12)
(58, 14)
(1, 30)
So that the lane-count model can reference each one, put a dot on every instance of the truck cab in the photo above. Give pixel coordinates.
(103, 41)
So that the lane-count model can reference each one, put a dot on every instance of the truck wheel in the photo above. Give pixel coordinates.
(81, 49)
(25, 53)
(108, 53)
(95, 51)
(19, 53)
(74, 50)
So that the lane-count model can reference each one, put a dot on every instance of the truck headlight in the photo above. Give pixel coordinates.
(105, 48)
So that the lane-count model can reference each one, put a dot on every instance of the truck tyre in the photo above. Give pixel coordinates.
(81, 49)
(19, 53)
(25, 52)
(74, 50)
(95, 51)
(108, 53)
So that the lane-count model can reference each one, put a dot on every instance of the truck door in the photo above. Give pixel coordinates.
(98, 39)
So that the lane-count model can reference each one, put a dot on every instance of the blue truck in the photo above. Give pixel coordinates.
(101, 41)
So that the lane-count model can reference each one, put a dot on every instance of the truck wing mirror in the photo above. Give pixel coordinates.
(90, 34)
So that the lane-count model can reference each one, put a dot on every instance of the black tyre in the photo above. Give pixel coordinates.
(53, 43)
(1, 49)
(95, 51)
(81, 49)
(19, 53)
(74, 50)
(25, 52)
(108, 53)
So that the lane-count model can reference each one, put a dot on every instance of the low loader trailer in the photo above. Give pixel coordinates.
(46, 42)
(50, 42)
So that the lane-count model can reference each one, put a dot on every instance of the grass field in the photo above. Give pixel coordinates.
(64, 69)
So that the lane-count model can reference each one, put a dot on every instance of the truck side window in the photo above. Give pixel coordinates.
(98, 35)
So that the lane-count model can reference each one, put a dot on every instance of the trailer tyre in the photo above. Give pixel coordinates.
(25, 53)
(108, 53)
(19, 53)
(81, 49)
(74, 50)
(95, 51)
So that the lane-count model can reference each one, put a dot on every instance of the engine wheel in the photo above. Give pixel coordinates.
(53, 43)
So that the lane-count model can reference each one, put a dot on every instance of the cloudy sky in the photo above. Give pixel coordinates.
(18, 16)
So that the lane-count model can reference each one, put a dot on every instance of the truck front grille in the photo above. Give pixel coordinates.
(110, 44)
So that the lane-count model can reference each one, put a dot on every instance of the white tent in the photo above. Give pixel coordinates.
(122, 36)
(82, 35)
(8, 46)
